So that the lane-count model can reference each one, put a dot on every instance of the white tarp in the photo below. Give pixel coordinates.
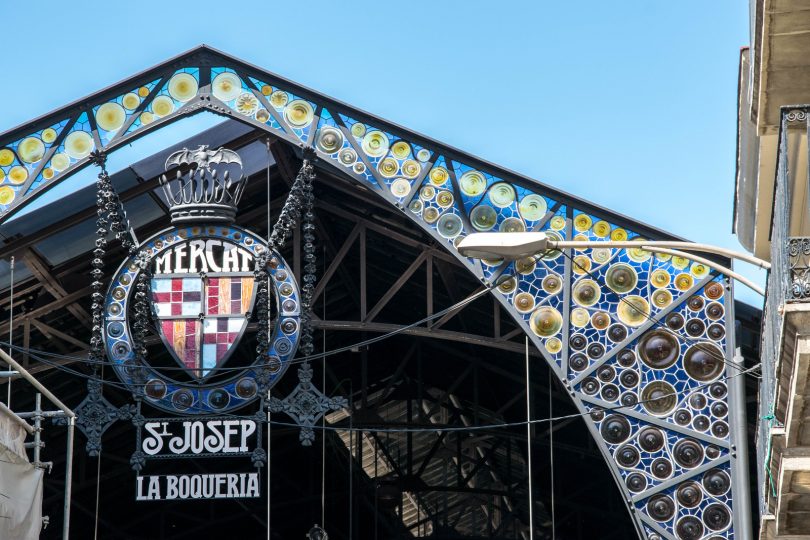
(20, 484)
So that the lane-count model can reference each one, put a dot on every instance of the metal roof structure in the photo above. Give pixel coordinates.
(391, 205)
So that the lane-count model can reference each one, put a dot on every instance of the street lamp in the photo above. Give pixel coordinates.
(525, 244)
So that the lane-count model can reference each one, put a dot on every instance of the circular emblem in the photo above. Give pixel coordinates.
(202, 293)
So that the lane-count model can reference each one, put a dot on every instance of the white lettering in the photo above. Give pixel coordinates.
(154, 442)
(246, 260)
(197, 252)
(179, 255)
(248, 427)
(197, 437)
(230, 431)
(253, 485)
(179, 445)
(220, 484)
(214, 442)
(233, 489)
(164, 263)
(171, 487)
(183, 486)
(198, 486)
(154, 488)
(230, 259)
(209, 254)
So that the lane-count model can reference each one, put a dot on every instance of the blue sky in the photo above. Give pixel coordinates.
(630, 104)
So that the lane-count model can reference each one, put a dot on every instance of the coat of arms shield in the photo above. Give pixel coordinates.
(202, 317)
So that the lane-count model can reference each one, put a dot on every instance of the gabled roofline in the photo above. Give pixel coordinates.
(206, 55)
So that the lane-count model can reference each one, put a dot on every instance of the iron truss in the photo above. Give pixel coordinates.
(618, 327)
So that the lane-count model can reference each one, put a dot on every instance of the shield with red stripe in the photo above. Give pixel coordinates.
(202, 318)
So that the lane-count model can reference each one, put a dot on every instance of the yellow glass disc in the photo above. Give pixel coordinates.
(388, 167)
(680, 262)
(358, 129)
(6, 157)
(18, 175)
(444, 198)
(147, 118)
(427, 193)
(131, 101)
(411, 168)
(684, 282)
(601, 255)
(618, 235)
(699, 270)
(633, 310)
(423, 155)
(60, 161)
(430, 214)
(6, 195)
(400, 188)
(553, 345)
(580, 317)
(299, 113)
(183, 86)
(47, 173)
(375, 144)
(582, 264)
(162, 106)
(439, 176)
(638, 254)
(279, 99)
(79, 144)
(582, 222)
(472, 183)
(247, 103)
(502, 194)
(226, 86)
(143, 91)
(558, 223)
(48, 135)
(267, 90)
(661, 298)
(111, 116)
(524, 302)
(601, 229)
(660, 278)
(546, 321)
(31, 150)
(400, 149)
(2, 175)
(532, 207)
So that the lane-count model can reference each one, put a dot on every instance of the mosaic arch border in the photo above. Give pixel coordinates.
(675, 462)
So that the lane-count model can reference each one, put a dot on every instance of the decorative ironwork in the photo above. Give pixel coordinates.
(94, 415)
(798, 252)
(306, 404)
(596, 315)
(203, 188)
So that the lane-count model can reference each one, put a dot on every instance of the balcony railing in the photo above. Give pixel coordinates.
(788, 282)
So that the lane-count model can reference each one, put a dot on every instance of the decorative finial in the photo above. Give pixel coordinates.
(206, 186)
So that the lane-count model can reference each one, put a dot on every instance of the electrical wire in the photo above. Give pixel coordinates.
(436, 429)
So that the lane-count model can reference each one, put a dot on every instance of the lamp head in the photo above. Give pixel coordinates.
(503, 245)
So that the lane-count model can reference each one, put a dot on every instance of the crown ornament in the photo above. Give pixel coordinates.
(203, 185)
